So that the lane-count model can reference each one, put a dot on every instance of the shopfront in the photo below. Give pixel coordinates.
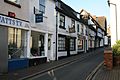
(80, 43)
(15, 35)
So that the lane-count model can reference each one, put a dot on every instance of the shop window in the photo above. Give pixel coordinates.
(72, 44)
(14, 2)
(16, 43)
(80, 44)
(61, 43)
(62, 21)
(37, 44)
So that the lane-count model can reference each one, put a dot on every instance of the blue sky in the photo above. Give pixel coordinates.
(95, 7)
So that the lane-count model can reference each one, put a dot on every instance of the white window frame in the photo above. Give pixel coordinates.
(42, 6)
(15, 1)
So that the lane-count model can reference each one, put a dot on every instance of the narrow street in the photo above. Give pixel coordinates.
(77, 70)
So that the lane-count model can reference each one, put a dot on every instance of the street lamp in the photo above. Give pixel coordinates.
(115, 16)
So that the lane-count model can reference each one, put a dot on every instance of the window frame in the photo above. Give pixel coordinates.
(78, 28)
(62, 21)
(42, 6)
(81, 43)
(13, 3)
(61, 43)
(72, 23)
(73, 44)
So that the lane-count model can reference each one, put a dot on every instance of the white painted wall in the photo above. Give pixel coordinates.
(113, 20)
(21, 13)
(48, 26)
(66, 32)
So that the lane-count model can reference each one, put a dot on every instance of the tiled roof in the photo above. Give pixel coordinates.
(67, 10)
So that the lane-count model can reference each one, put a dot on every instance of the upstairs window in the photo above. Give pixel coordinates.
(78, 28)
(73, 23)
(62, 21)
(42, 6)
(14, 2)
(82, 30)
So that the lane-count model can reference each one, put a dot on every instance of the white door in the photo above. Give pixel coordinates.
(49, 48)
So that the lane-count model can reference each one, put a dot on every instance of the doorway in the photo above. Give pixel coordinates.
(49, 48)
(68, 46)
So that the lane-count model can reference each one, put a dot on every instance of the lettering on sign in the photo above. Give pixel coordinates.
(7, 21)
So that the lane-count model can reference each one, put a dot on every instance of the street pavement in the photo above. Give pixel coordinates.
(78, 70)
(75, 67)
(105, 74)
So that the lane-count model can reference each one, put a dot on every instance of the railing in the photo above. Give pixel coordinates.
(16, 52)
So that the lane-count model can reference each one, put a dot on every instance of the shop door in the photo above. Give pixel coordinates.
(68, 46)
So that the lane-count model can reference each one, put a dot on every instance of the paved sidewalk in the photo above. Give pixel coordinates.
(104, 74)
(31, 71)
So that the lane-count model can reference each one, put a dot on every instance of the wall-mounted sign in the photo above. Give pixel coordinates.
(39, 18)
(7, 21)
(11, 14)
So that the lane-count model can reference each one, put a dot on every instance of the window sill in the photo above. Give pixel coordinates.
(72, 50)
(12, 3)
(62, 27)
(61, 50)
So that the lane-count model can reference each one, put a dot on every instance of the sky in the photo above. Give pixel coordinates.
(94, 7)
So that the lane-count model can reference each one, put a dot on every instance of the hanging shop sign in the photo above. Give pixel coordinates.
(7, 21)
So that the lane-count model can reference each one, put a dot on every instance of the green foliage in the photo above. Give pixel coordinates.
(116, 48)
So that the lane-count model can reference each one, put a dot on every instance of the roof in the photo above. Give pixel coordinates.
(94, 19)
(101, 21)
(67, 10)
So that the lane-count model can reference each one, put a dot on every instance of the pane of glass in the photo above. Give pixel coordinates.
(15, 41)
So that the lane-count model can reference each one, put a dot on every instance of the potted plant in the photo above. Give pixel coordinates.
(116, 53)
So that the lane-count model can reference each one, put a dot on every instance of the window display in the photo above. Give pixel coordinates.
(80, 44)
(16, 43)
(37, 44)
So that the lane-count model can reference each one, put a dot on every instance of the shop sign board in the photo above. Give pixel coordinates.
(13, 22)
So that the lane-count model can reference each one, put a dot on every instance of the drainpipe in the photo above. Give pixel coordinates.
(115, 17)
(56, 31)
